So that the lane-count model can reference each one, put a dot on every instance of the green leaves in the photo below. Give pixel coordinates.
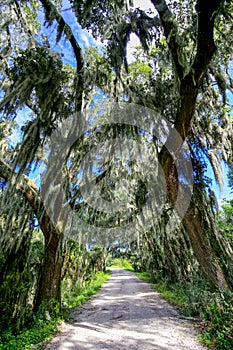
(33, 70)
(219, 330)
(226, 218)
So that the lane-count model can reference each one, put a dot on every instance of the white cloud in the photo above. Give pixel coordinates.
(15, 137)
(85, 37)
(133, 43)
(143, 4)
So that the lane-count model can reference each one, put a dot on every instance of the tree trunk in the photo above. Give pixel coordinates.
(190, 83)
(49, 288)
(195, 225)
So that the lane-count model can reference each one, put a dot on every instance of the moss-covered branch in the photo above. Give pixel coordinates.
(51, 13)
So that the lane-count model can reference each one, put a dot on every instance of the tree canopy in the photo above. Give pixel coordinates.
(181, 84)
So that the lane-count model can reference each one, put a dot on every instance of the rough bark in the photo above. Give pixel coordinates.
(196, 228)
(49, 287)
(189, 86)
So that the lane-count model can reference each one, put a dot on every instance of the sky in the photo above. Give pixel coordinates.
(221, 193)
(86, 40)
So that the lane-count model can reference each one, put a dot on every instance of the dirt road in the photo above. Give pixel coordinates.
(126, 315)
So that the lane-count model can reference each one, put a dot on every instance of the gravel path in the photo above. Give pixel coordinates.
(126, 315)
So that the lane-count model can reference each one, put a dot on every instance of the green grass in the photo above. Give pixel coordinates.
(121, 263)
(81, 295)
(44, 326)
(173, 293)
(214, 310)
(27, 338)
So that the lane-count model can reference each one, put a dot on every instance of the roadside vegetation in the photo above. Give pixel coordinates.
(45, 325)
(114, 172)
(211, 311)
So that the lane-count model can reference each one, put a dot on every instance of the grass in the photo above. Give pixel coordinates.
(120, 263)
(214, 310)
(44, 325)
(173, 293)
(80, 295)
(29, 338)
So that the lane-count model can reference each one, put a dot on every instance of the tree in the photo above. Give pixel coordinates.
(226, 216)
(190, 35)
(28, 82)
(179, 73)
(50, 279)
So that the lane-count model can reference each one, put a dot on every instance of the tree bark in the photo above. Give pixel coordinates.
(195, 225)
(49, 286)
(189, 86)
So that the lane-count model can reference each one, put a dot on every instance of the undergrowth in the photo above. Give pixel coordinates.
(79, 295)
(213, 310)
(120, 263)
(44, 324)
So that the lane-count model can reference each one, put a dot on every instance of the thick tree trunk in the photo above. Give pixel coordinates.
(190, 83)
(195, 225)
(49, 288)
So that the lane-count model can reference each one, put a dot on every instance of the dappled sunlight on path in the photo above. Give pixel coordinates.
(126, 315)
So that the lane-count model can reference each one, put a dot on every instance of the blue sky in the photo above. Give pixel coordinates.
(85, 40)
(221, 193)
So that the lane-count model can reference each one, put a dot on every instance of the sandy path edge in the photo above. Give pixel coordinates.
(126, 314)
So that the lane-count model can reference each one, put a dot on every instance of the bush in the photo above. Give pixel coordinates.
(44, 324)
(81, 294)
(218, 330)
(120, 263)
(214, 310)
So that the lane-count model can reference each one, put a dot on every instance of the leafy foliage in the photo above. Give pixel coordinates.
(45, 325)
(218, 328)
(182, 70)
(226, 218)
(214, 311)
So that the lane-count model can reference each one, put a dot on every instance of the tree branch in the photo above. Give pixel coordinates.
(206, 11)
(170, 30)
(23, 21)
(51, 13)
(190, 84)
(31, 193)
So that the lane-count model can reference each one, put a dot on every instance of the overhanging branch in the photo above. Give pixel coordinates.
(206, 11)
(27, 187)
(51, 13)
(170, 31)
